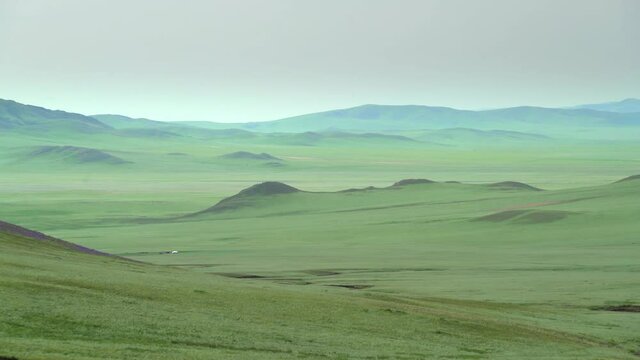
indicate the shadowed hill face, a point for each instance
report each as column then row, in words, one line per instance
column 246, row 155
column 413, row 182
column 245, row 197
column 513, row 185
column 28, row 234
column 630, row 178
column 18, row 116
column 74, row 154
column 268, row 188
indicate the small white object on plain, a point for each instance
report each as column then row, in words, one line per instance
column 174, row 252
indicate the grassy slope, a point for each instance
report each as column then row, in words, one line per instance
column 420, row 243
column 62, row 304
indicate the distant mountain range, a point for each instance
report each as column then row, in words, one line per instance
column 624, row 106
column 16, row 116
column 389, row 118
column 596, row 119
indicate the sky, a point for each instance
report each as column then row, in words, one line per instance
column 255, row 60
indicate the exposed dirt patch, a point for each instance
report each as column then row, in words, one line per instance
column 352, row 286
column 620, row 308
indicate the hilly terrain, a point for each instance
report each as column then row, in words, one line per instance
column 602, row 120
column 374, row 232
column 479, row 259
column 84, row 305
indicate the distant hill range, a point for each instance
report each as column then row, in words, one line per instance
column 389, row 118
column 16, row 116
column 381, row 119
column 624, row 106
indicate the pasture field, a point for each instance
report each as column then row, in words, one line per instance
column 328, row 259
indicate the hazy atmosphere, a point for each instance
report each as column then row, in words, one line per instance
column 286, row 180
column 262, row 60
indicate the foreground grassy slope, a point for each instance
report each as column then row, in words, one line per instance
column 64, row 304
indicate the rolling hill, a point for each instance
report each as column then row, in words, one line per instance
column 556, row 259
column 60, row 301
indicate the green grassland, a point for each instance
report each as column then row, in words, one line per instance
column 62, row 304
column 349, row 266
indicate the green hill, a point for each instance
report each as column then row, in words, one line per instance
column 249, row 196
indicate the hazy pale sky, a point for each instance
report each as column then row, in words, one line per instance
column 250, row 60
